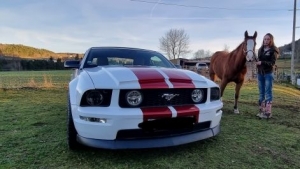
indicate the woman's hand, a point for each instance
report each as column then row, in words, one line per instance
column 258, row 63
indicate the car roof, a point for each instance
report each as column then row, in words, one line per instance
column 125, row 48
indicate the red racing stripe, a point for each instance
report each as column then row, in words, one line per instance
column 183, row 111
column 179, row 79
column 149, row 78
column 156, row 113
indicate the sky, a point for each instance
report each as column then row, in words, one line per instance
column 76, row 25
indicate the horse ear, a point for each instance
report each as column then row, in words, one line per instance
column 255, row 35
column 246, row 34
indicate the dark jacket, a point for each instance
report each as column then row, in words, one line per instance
column 268, row 59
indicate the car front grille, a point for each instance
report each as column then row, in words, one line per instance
column 163, row 128
column 154, row 97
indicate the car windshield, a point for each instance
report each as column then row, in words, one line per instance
column 125, row 57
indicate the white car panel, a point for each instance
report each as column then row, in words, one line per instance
column 170, row 81
column 118, row 118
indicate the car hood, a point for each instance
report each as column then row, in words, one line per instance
column 110, row 77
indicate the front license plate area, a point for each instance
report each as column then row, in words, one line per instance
column 177, row 123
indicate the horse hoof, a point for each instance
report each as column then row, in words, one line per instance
column 236, row 111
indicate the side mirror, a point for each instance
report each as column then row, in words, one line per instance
column 72, row 64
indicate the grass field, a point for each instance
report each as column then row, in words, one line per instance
column 284, row 65
column 33, row 135
column 35, row 79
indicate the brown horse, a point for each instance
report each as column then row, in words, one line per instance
column 231, row 67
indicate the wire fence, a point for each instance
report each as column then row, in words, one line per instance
column 281, row 74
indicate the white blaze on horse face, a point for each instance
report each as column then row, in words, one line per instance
column 250, row 50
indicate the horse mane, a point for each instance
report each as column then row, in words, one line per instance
column 236, row 50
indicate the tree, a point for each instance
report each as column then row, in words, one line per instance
column 76, row 57
column 202, row 54
column 51, row 64
column 226, row 48
column 59, row 64
column 199, row 54
column 175, row 43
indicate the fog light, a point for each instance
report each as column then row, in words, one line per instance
column 219, row 111
column 197, row 95
column 93, row 119
column 134, row 98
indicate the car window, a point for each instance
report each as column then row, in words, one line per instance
column 126, row 57
column 119, row 61
column 202, row 64
column 156, row 61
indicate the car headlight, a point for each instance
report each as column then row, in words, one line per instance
column 215, row 93
column 197, row 95
column 134, row 98
column 94, row 98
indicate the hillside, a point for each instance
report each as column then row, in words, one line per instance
column 23, row 51
column 288, row 48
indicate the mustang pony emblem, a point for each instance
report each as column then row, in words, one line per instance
column 169, row 96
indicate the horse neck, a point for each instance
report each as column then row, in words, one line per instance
column 238, row 57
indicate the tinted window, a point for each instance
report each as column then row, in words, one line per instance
column 126, row 57
column 202, row 64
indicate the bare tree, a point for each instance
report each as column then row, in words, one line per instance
column 175, row 43
column 202, row 54
column 199, row 54
column 208, row 54
column 226, row 48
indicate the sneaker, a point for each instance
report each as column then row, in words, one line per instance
column 259, row 114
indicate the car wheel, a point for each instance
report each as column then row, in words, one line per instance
column 71, row 130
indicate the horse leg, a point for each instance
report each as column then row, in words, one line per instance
column 223, row 86
column 236, row 96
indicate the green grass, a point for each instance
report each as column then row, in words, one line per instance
column 284, row 65
column 35, row 79
column 33, row 135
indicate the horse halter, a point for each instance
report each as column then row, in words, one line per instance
column 250, row 50
column 254, row 54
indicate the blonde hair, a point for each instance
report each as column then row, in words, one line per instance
column 272, row 44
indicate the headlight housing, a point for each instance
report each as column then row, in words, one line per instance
column 98, row 97
column 94, row 98
column 197, row 95
column 215, row 94
column 134, row 98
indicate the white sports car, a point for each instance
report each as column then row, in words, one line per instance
column 126, row 98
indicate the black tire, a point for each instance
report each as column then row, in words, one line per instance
column 71, row 131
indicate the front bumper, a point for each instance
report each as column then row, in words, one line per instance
column 129, row 119
column 150, row 143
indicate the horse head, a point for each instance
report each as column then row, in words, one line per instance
column 249, row 49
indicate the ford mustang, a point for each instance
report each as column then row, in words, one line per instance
column 127, row 98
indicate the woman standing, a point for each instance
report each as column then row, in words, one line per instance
column 267, row 55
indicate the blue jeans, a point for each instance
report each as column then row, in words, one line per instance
column 265, row 86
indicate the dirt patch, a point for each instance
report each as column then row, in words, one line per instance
column 263, row 150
